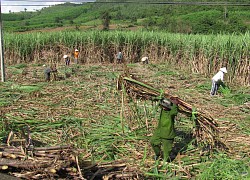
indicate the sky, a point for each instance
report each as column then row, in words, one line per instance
column 31, row 5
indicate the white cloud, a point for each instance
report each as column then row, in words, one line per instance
column 16, row 6
column 30, row 5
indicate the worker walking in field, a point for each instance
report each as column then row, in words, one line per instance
column 67, row 60
column 119, row 57
column 76, row 54
column 217, row 80
column 165, row 132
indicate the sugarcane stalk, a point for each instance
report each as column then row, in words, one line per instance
column 22, row 164
column 52, row 148
column 141, row 84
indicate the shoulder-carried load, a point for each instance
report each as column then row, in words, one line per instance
column 206, row 128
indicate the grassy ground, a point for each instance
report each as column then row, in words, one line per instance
column 87, row 111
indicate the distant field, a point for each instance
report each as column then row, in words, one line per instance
column 203, row 54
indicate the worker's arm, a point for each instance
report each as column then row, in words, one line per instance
column 221, row 78
column 174, row 110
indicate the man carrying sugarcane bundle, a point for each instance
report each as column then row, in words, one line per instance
column 165, row 132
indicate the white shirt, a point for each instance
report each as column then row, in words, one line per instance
column 144, row 59
column 218, row 76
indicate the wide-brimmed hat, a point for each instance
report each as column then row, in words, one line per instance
column 224, row 69
column 65, row 56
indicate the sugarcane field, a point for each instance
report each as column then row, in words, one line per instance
column 93, row 117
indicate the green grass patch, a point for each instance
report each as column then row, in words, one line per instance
column 20, row 66
column 165, row 73
column 29, row 88
column 223, row 167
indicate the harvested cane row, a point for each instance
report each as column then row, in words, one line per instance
column 206, row 128
column 40, row 162
column 21, row 157
column 60, row 162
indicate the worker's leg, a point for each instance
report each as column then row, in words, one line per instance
column 47, row 77
column 213, row 89
column 155, row 142
column 167, row 148
column 216, row 88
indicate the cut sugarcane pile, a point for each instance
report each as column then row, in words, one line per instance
column 39, row 162
column 206, row 129
column 18, row 157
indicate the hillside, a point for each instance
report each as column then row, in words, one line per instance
column 171, row 18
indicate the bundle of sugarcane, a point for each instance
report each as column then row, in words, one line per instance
column 39, row 162
column 206, row 128
column 20, row 157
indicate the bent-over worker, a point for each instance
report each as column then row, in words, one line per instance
column 67, row 60
column 145, row 60
column 217, row 80
column 47, row 72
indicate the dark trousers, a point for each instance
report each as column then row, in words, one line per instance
column 156, row 142
column 47, row 76
column 67, row 62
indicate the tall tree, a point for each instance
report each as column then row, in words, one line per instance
column 105, row 20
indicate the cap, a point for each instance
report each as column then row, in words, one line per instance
column 166, row 103
column 65, row 56
column 224, row 69
column 76, row 49
column 44, row 65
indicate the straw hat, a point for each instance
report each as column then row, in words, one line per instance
column 224, row 69
column 65, row 56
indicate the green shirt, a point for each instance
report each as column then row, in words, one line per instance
column 166, row 123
